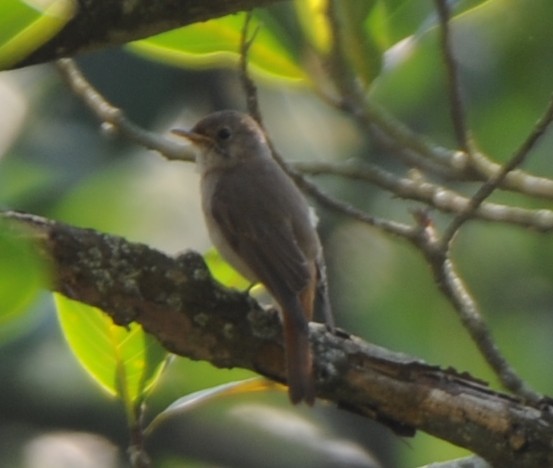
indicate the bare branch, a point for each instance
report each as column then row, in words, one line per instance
column 437, row 196
column 457, row 110
column 177, row 301
column 107, row 23
column 387, row 226
column 113, row 119
column 248, row 85
column 495, row 182
column 424, row 154
column 250, row 90
column 454, row 289
column 421, row 152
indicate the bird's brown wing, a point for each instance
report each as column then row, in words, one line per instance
column 272, row 252
column 270, row 249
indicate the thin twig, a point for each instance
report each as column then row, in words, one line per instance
column 468, row 311
column 138, row 456
column 437, row 196
column 431, row 247
column 250, row 89
column 457, row 108
column 385, row 225
column 422, row 152
column 492, row 184
column 113, row 119
column 107, row 113
column 380, row 124
column 456, row 292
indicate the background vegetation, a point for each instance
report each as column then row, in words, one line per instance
column 54, row 162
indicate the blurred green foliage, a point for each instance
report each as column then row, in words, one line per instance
column 381, row 288
column 223, row 272
column 126, row 362
column 217, row 42
column 22, row 277
column 26, row 25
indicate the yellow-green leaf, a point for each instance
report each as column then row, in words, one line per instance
column 223, row 272
column 217, row 43
column 26, row 25
column 124, row 361
column 360, row 44
column 312, row 15
column 356, row 20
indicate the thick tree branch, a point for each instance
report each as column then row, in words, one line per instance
column 105, row 23
column 177, row 301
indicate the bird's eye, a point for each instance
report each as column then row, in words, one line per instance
column 223, row 133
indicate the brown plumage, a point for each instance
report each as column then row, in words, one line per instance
column 261, row 224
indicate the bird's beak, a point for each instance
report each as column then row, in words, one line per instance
column 195, row 138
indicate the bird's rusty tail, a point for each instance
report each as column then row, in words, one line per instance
column 299, row 359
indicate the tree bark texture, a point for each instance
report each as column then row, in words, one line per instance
column 107, row 23
column 177, row 301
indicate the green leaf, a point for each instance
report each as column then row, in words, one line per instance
column 24, row 28
column 217, row 43
column 488, row 52
column 223, row 272
column 360, row 25
column 362, row 48
column 313, row 19
column 124, row 361
column 22, row 276
column 404, row 18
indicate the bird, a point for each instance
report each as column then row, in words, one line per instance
column 262, row 225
